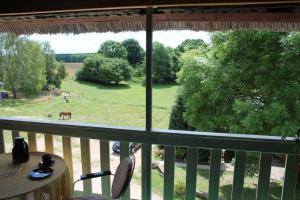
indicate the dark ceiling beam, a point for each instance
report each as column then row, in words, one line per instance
column 11, row 7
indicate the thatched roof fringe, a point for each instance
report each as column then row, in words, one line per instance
column 226, row 26
column 164, row 25
column 197, row 19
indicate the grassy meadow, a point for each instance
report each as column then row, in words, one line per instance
column 122, row 105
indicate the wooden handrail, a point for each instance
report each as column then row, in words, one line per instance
column 242, row 142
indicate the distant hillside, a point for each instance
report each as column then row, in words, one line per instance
column 71, row 58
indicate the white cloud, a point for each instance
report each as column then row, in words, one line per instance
column 90, row 42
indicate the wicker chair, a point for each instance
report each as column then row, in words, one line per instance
column 121, row 179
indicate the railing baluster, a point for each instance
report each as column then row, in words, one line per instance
column 67, row 152
column 2, row 144
column 49, row 143
column 86, row 164
column 214, row 174
column 124, row 152
column 289, row 186
column 169, row 172
column 105, row 165
column 191, row 173
column 265, row 165
column 146, row 171
column 239, row 175
column 14, row 135
column 32, row 141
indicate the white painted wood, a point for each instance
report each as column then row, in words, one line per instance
column 86, row 164
column 105, row 165
column 32, row 142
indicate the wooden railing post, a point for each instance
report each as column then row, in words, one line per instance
column 239, row 175
column 67, row 152
column 14, row 134
column 124, row 152
column 32, row 141
column 169, row 158
column 290, row 178
column 49, row 143
column 86, row 164
column 265, row 165
column 2, row 144
column 105, row 165
column 214, row 174
column 191, row 173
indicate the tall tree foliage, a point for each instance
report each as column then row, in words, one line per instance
column 135, row 53
column 22, row 64
column 55, row 71
column 190, row 44
column 164, row 69
column 113, row 49
column 247, row 83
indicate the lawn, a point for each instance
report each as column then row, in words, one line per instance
column 225, row 184
column 122, row 105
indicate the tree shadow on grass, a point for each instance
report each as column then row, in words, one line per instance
column 104, row 86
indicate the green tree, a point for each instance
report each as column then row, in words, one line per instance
column 190, row 44
column 135, row 53
column 22, row 64
column 247, row 83
column 99, row 69
column 34, row 79
column 163, row 66
column 113, row 49
column 55, row 71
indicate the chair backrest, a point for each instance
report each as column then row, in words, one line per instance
column 122, row 177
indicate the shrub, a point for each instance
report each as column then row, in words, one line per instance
column 180, row 153
column 177, row 121
column 99, row 69
column 180, row 188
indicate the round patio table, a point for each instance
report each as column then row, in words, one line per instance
column 15, row 183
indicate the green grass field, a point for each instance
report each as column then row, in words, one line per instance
column 225, row 185
column 122, row 105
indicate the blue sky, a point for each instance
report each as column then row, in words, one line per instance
column 90, row 42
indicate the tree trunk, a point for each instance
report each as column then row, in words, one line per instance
column 14, row 94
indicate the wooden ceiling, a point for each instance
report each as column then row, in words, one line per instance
column 12, row 7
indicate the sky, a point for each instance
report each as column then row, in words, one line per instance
column 90, row 42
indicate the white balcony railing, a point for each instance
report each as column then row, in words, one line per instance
column 266, row 145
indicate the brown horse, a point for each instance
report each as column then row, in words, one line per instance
column 65, row 114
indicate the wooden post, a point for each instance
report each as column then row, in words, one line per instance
column 67, row 152
column 169, row 172
column 2, row 144
column 86, row 164
column 214, row 174
column 14, row 134
column 49, row 143
column 239, row 175
column 147, row 148
column 191, row 173
column 32, row 142
column 265, row 165
column 124, row 152
column 105, row 165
